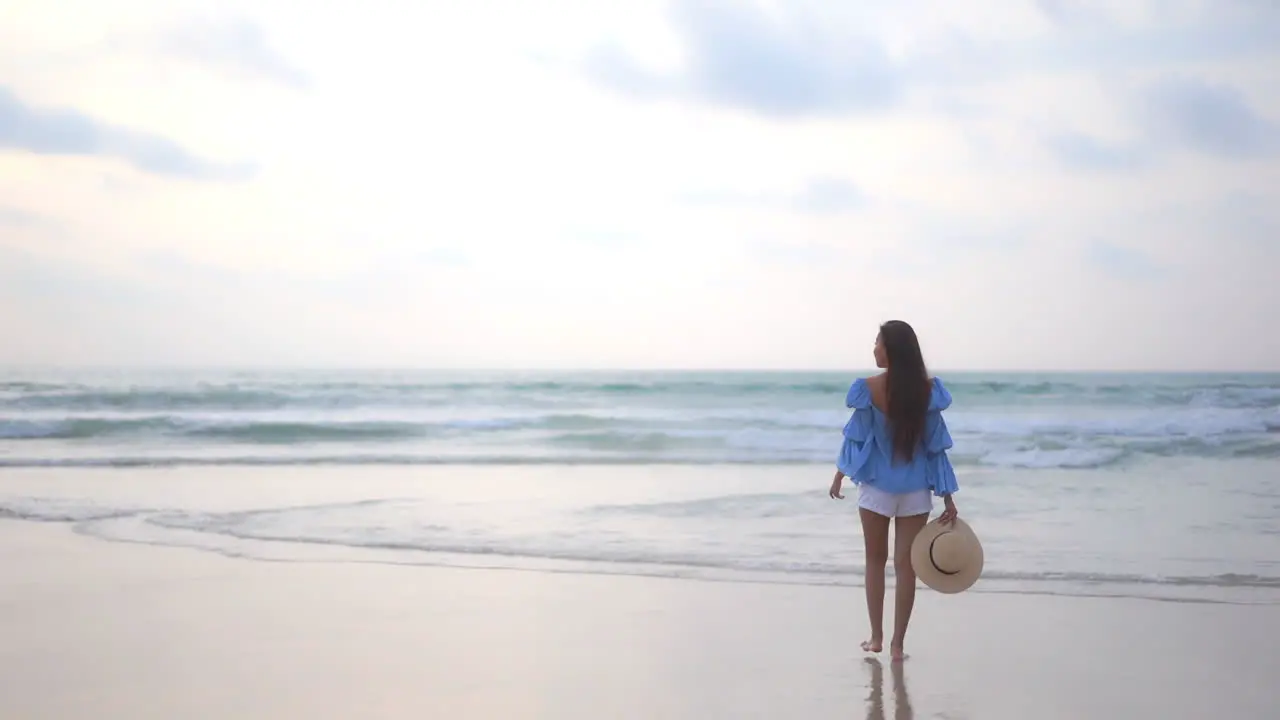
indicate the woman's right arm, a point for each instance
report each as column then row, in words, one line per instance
column 949, row 511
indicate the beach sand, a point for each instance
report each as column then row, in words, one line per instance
column 95, row 629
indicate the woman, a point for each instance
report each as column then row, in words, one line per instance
column 895, row 450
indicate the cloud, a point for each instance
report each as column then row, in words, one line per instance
column 829, row 195
column 820, row 195
column 236, row 45
column 1078, row 151
column 738, row 57
column 795, row 253
column 1069, row 12
column 797, row 62
column 941, row 244
column 1248, row 217
column 16, row 217
column 69, row 132
column 412, row 261
column 1174, row 114
column 80, row 311
column 1123, row 262
column 1214, row 119
column 1087, row 34
column 30, row 275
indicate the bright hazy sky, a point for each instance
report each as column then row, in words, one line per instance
column 458, row 183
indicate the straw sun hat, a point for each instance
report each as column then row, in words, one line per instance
column 947, row 558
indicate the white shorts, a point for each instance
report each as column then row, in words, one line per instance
column 918, row 502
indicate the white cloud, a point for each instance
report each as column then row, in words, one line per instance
column 458, row 184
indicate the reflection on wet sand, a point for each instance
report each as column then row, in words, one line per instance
column 901, row 699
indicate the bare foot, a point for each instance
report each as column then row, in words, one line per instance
column 874, row 645
column 897, row 653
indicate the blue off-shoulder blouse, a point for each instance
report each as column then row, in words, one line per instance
column 867, row 454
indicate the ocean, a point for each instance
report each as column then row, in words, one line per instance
column 1154, row 485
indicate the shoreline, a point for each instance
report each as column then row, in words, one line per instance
column 756, row 525
column 429, row 561
column 169, row 632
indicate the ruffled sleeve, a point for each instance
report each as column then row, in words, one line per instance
column 859, row 441
column 939, row 396
column 859, row 427
column 942, row 476
column 859, row 395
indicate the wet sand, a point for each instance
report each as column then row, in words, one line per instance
column 96, row 629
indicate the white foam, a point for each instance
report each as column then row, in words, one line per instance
column 1067, row 458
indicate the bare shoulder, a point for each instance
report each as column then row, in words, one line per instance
column 877, row 385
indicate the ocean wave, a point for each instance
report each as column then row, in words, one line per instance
column 643, row 451
column 1073, row 458
column 73, row 428
column 1025, row 421
column 251, row 431
column 363, row 459
column 648, row 442
column 268, row 393
column 144, row 399
column 280, row 430
column 1008, row 441
column 1135, row 423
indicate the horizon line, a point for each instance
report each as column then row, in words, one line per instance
column 278, row 367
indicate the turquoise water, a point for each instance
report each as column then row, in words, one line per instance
column 1160, row 486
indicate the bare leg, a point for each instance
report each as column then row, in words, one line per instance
column 875, row 536
column 905, row 533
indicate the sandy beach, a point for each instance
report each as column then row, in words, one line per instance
column 95, row 629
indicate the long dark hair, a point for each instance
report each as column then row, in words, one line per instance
column 908, row 386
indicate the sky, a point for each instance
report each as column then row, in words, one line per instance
column 1032, row 184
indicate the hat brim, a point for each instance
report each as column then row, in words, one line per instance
column 930, row 574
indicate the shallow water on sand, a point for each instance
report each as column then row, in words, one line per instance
column 1178, row 529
